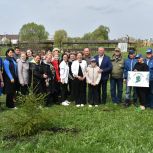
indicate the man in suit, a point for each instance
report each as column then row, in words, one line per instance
column 105, row 66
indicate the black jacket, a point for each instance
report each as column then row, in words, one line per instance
column 36, row 77
column 9, row 73
column 48, row 69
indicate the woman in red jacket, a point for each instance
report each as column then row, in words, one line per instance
column 55, row 62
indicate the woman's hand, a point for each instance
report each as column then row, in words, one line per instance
column 62, row 81
column 45, row 76
column 12, row 81
column 2, row 84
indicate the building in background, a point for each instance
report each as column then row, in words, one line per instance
column 9, row 39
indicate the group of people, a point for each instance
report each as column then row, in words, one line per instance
column 66, row 78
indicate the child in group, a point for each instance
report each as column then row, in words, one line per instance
column 93, row 78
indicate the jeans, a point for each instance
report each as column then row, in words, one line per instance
column 128, row 93
column 116, row 86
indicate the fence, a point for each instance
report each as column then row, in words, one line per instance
column 109, row 45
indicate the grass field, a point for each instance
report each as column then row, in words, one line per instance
column 106, row 129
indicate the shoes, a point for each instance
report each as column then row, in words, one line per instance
column 90, row 106
column 142, row 107
column 127, row 103
column 96, row 105
column 65, row 103
column 15, row 108
column 78, row 105
column 82, row 105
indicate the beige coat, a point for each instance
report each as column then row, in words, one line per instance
column 92, row 75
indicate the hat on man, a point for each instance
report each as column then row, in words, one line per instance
column 131, row 51
column 117, row 49
column 149, row 51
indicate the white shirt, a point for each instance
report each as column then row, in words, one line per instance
column 64, row 71
column 148, row 61
column 100, row 59
column 75, row 67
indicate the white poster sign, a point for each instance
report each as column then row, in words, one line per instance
column 123, row 47
column 138, row 79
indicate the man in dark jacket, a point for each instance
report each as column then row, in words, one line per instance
column 105, row 65
column 128, row 66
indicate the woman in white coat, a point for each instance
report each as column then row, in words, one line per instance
column 79, row 68
column 64, row 74
column 23, row 73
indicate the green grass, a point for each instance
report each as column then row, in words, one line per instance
column 109, row 128
column 106, row 129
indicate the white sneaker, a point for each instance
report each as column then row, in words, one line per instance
column 15, row 108
column 142, row 107
column 65, row 103
column 90, row 105
column 82, row 105
column 96, row 105
column 78, row 105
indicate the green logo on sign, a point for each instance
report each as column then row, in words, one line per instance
column 138, row 79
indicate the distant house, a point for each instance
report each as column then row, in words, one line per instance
column 4, row 39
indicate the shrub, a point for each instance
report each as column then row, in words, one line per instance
column 29, row 119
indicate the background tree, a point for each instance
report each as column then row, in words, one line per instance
column 101, row 33
column 59, row 37
column 33, row 32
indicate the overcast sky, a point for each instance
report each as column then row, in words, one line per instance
column 132, row 17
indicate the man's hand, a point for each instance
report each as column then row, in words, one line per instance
column 124, row 80
column 100, row 71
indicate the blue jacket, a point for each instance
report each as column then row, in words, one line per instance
column 106, row 66
column 128, row 66
column 150, row 65
column 1, row 64
column 10, row 68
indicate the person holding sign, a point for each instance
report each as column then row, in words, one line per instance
column 149, row 62
column 141, row 91
column 128, row 66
